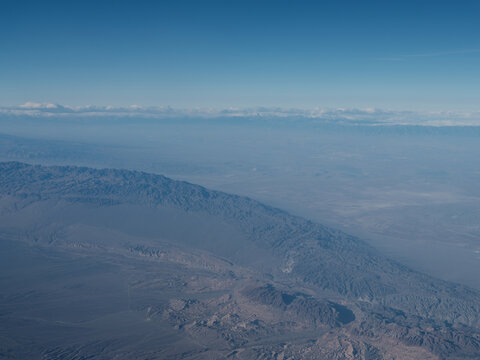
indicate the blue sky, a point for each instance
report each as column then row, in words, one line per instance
column 412, row 55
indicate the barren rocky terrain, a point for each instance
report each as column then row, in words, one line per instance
column 120, row 264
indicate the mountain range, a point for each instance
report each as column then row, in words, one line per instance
column 106, row 263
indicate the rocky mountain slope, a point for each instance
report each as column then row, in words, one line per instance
column 238, row 279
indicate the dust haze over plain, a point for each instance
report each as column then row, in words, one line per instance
column 408, row 188
column 127, row 264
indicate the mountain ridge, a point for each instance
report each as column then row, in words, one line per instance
column 267, row 260
column 288, row 235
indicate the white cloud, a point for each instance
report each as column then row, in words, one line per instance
column 367, row 116
column 35, row 105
